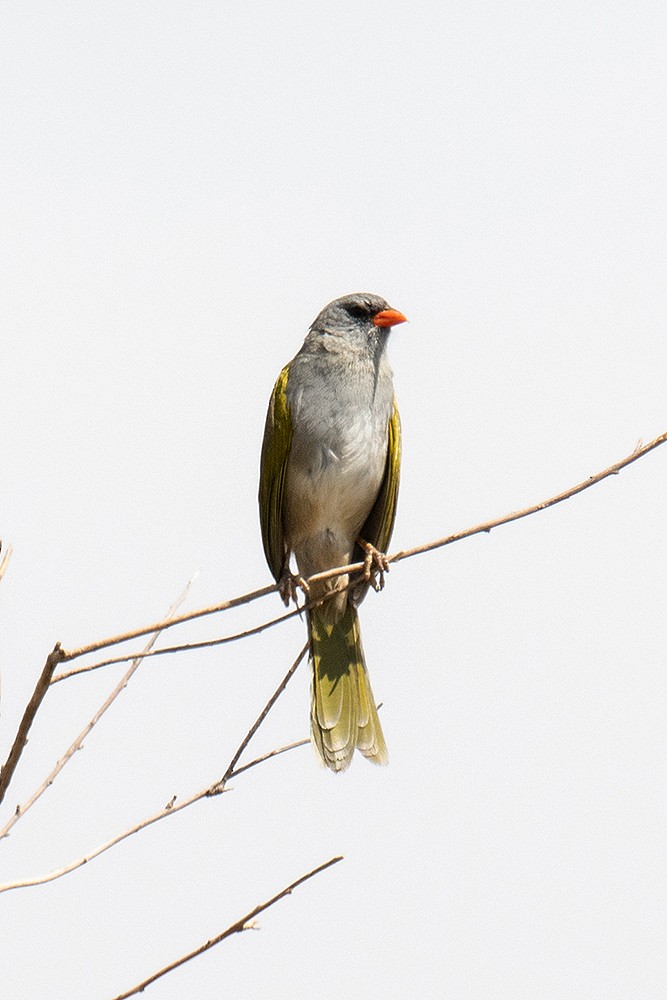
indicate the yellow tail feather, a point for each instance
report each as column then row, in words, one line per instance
column 343, row 714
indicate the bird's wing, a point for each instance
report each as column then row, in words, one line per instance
column 275, row 452
column 380, row 522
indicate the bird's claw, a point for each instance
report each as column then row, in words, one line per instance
column 376, row 565
column 288, row 585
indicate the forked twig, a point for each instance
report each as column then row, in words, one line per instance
column 60, row 655
column 174, row 807
column 350, row 569
column 137, row 633
column 231, row 769
column 53, row 659
column 40, row 691
column 183, row 648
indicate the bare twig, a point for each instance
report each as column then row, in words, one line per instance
column 53, row 659
column 173, row 807
column 244, row 923
column 115, row 640
column 183, row 648
column 5, row 560
column 486, row 526
column 78, row 742
column 169, row 810
column 350, row 569
column 262, row 715
column 272, row 753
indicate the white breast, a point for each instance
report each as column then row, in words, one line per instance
column 332, row 482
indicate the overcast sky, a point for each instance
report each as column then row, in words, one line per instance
column 184, row 187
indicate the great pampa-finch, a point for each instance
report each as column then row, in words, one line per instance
column 328, row 490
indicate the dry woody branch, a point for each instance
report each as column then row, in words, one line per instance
column 60, row 655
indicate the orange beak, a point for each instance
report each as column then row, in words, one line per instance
column 389, row 317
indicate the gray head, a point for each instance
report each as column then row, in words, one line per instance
column 357, row 318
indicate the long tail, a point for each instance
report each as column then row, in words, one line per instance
column 343, row 714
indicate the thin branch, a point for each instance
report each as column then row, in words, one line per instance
column 184, row 647
column 78, row 742
column 53, row 659
column 486, row 526
column 352, row 568
column 267, row 756
column 5, row 560
column 243, row 924
column 172, row 807
column 137, row 633
column 169, row 810
column 262, row 715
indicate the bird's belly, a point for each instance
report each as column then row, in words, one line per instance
column 328, row 498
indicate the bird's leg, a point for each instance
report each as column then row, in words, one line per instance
column 375, row 564
column 288, row 584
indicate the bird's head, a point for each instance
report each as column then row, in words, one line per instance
column 359, row 318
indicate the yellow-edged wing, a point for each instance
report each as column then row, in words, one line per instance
column 275, row 452
column 380, row 522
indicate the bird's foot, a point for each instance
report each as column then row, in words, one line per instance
column 288, row 585
column 375, row 565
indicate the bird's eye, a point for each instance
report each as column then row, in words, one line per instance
column 357, row 311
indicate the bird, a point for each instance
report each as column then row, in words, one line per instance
column 328, row 490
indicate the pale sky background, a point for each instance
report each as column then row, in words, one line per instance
column 184, row 186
